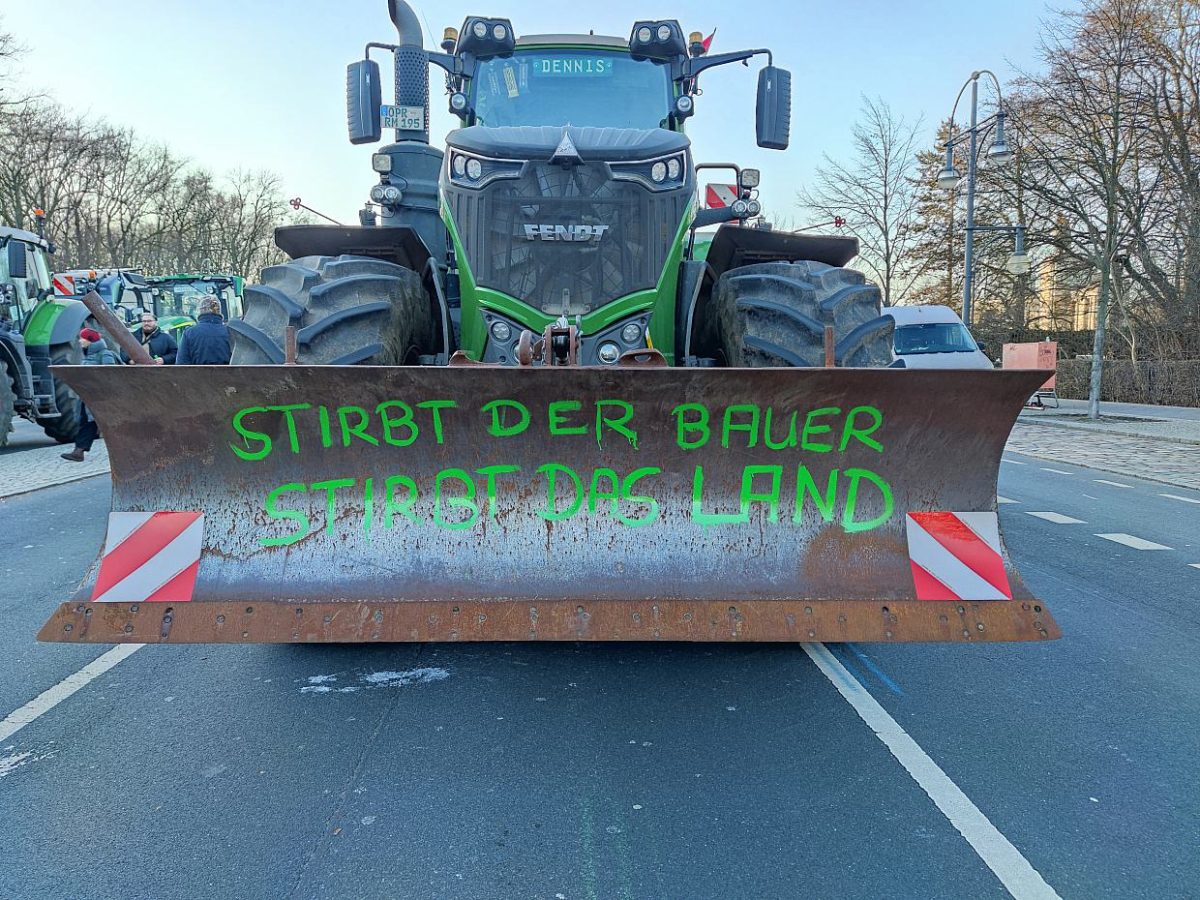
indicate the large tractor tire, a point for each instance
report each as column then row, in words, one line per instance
column 347, row 310
column 776, row 313
column 64, row 427
column 8, row 406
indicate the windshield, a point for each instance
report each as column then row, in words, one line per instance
column 25, row 289
column 182, row 298
column 599, row 88
column 935, row 337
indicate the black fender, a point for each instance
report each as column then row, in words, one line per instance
column 69, row 322
column 735, row 246
column 398, row 244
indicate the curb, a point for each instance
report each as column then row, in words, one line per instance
column 20, row 492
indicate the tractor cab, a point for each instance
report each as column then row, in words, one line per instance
column 24, row 275
column 175, row 299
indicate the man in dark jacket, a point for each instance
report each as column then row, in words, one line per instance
column 157, row 342
column 207, row 342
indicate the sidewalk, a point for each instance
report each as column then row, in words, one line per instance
column 1175, row 424
column 40, row 467
column 1158, row 443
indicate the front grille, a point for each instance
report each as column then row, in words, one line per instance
column 629, row 257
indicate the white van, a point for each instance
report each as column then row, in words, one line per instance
column 933, row 337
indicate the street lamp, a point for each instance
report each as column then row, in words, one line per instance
column 999, row 153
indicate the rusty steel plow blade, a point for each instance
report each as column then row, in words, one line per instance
column 432, row 504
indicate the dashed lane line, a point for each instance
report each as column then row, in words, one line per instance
column 1000, row 499
column 1177, row 497
column 1129, row 540
column 1056, row 518
column 1111, row 483
column 50, row 698
column 1011, row 462
column 1014, row 871
column 1194, row 565
column 1056, row 471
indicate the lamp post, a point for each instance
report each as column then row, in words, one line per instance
column 948, row 179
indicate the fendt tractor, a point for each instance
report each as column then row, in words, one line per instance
column 517, row 402
column 37, row 330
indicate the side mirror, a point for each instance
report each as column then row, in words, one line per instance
column 16, row 260
column 363, row 99
column 774, row 110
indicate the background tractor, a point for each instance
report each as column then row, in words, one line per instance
column 37, row 330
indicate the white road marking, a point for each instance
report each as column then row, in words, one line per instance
column 1112, row 483
column 1129, row 540
column 1194, row 565
column 1056, row 518
column 1000, row 499
column 1056, row 471
column 1177, row 497
column 1014, row 871
column 1012, row 462
column 50, row 698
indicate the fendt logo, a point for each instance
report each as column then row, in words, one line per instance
column 565, row 232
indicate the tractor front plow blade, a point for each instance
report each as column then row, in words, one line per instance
column 297, row 504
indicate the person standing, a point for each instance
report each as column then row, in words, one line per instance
column 207, row 342
column 95, row 353
column 160, row 345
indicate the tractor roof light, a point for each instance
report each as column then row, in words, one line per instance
column 696, row 43
column 484, row 38
column 661, row 40
column 750, row 179
column 381, row 163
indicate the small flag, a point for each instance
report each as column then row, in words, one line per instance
column 707, row 42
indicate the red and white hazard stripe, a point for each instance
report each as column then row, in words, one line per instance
column 150, row 556
column 720, row 196
column 956, row 556
column 64, row 285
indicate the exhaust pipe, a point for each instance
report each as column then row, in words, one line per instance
column 412, row 68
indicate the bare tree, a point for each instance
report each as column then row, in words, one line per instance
column 874, row 192
column 1081, row 130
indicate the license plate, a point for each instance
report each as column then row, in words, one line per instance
column 406, row 118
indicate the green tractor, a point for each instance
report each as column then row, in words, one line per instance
column 559, row 224
column 37, row 330
column 175, row 298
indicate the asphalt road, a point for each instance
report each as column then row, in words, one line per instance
column 581, row 771
column 25, row 435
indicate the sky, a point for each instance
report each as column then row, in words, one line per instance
column 257, row 84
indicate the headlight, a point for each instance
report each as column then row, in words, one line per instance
column 475, row 172
column 381, row 163
column 458, row 102
column 644, row 34
column 663, row 174
column 664, row 32
column 631, row 333
column 480, row 30
column 609, row 353
column 501, row 331
column 499, row 32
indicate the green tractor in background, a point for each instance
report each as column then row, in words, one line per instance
column 176, row 298
column 37, row 330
